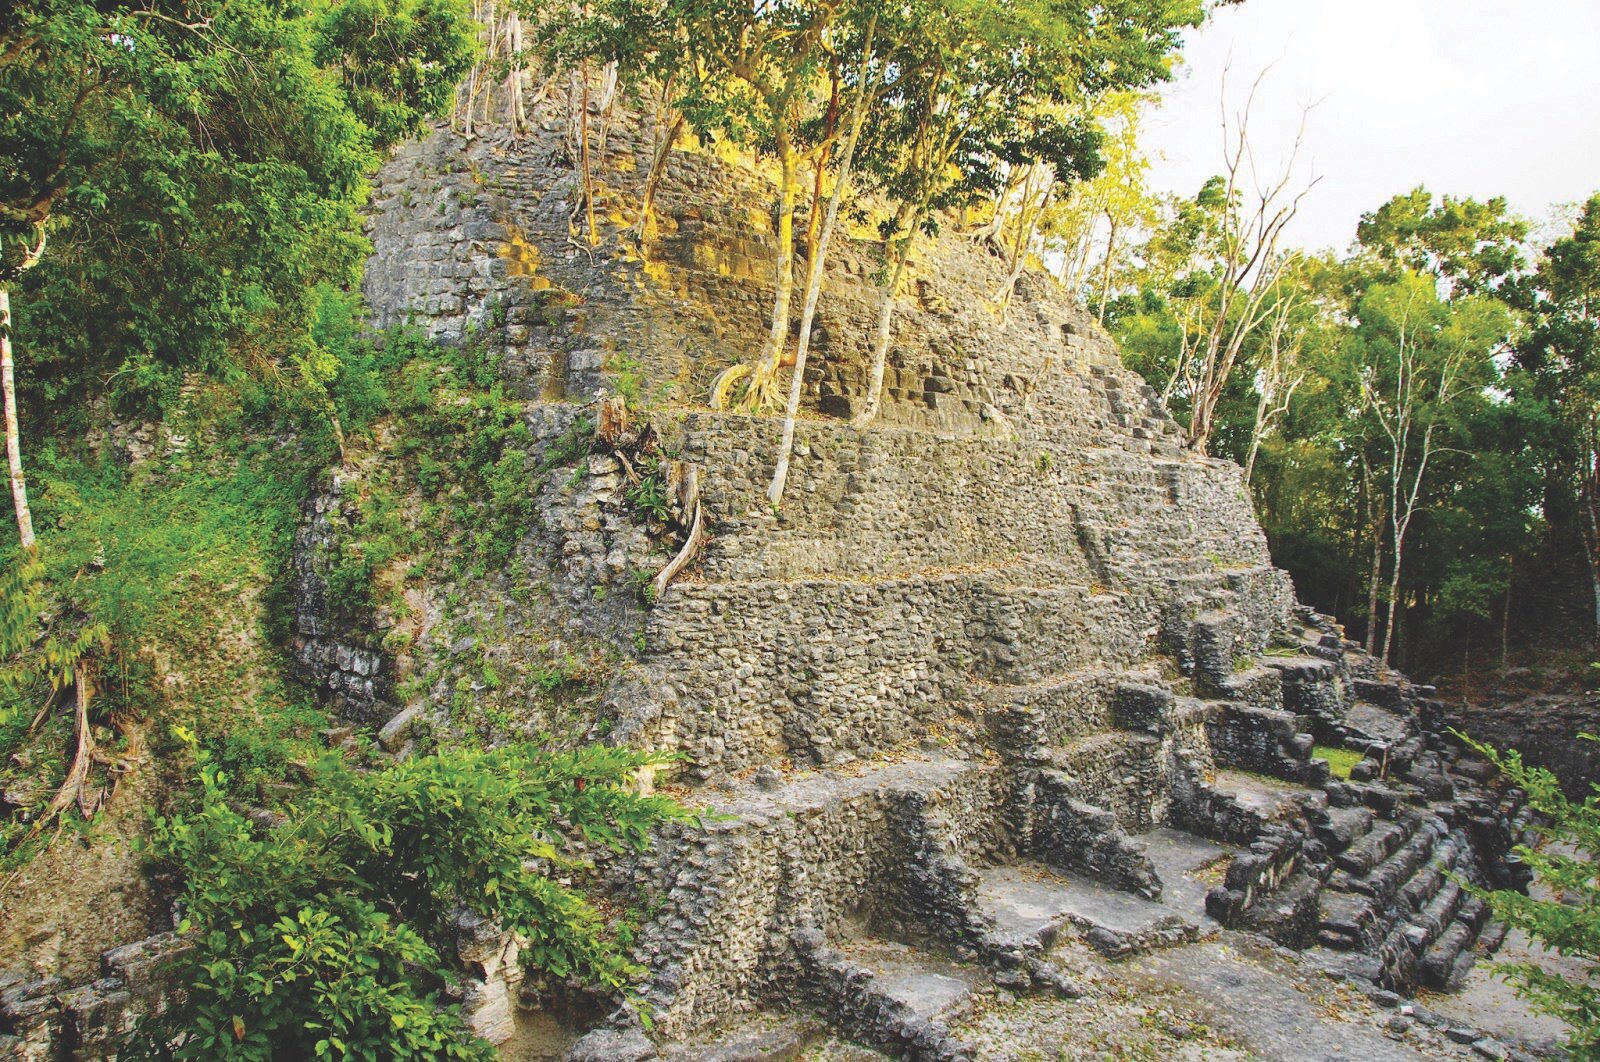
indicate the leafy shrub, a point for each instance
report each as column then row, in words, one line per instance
column 328, row 934
column 1568, row 924
column 257, row 753
column 649, row 495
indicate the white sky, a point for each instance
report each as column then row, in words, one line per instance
column 1469, row 97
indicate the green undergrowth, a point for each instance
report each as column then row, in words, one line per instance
column 443, row 465
column 1563, row 917
column 158, row 583
column 330, row 932
column 165, row 580
column 162, row 586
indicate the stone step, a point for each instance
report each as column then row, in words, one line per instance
column 1061, row 707
column 1123, row 769
column 1372, row 848
column 1383, row 881
column 1491, row 937
column 1188, row 866
column 1449, row 958
column 764, row 1038
column 1359, row 912
column 922, row 984
column 893, row 997
column 1342, row 827
column 1289, row 914
column 1433, row 879
column 1349, row 921
column 1269, row 798
column 1032, row 907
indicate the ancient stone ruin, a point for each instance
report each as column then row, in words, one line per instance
column 1009, row 669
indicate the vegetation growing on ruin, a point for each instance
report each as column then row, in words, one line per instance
column 181, row 188
column 1340, row 760
column 1566, row 919
column 329, row 932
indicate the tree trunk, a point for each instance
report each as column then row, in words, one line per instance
column 1256, row 432
column 1505, row 615
column 814, row 275
column 880, row 345
column 19, row 482
column 766, row 369
column 1027, row 223
column 1394, row 595
column 1375, row 574
column 658, row 167
column 1373, row 581
column 1105, row 273
column 1591, row 541
column 830, row 129
column 82, row 756
column 583, row 155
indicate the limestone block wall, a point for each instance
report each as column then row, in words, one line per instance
column 810, row 671
column 473, row 234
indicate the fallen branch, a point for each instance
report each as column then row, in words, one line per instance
column 44, row 710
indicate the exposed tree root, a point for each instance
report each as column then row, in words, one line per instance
column 762, row 394
column 723, row 387
column 44, row 711
column 71, row 790
column 747, row 389
column 689, row 500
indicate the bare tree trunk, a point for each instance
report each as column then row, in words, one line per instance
column 1375, row 574
column 608, row 100
column 1591, row 535
column 1256, row 433
column 996, row 225
column 19, row 482
column 818, row 266
column 658, row 167
column 1394, row 602
column 1105, row 272
column 766, row 369
column 516, row 112
column 830, row 128
column 1505, row 614
column 1032, row 208
column 583, row 155
column 1251, row 266
column 880, row 345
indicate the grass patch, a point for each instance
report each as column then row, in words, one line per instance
column 1340, row 760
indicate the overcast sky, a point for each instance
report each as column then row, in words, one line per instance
column 1469, row 97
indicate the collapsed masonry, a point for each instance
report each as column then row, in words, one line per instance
column 1006, row 669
